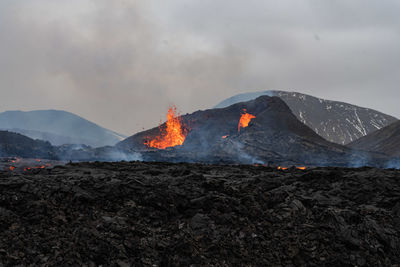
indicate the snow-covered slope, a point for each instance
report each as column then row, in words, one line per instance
column 337, row 122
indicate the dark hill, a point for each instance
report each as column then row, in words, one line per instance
column 386, row 140
column 17, row 145
column 14, row 144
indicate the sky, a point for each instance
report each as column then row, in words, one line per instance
column 122, row 63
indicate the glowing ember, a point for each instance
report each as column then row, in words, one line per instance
column 174, row 134
column 245, row 119
column 36, row 167
column 298, row 168
column 225, row 136
column 16, row 160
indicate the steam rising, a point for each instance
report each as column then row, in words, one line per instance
column 123, row 156
column 393, row 164
column 122, row 63
column 108, row 61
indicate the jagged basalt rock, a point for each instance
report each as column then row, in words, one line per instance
column 163, row 214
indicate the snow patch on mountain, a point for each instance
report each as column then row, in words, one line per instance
column 337, row 122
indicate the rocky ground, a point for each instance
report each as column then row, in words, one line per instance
column 162, row 214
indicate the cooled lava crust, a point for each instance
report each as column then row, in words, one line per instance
column 162, row 214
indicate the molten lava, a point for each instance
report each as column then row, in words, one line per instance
column 298, row 168
column 36, row 167
column 245, row 120
column 16, row 160
column 173, row 135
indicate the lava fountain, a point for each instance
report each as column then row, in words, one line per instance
column 173, row 135
column 245, row 119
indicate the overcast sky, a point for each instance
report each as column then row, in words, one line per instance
column 121, row 63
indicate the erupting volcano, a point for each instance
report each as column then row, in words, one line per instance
column 173, row 135
column 245, row 119
column 269, row 132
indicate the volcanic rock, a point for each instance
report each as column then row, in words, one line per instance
column 163, row 214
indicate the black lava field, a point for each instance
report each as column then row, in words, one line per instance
column 164, row 214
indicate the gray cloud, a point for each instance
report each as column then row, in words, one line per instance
column 121, row 63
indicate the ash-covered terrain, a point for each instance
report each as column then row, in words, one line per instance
column 163, row 214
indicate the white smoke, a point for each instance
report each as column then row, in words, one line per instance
column 118, row 155
column 393, row 164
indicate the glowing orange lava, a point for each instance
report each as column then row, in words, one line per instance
column 16, row 160
column 37, row 167
column 245, row 120
column 299, row 168
column 173, row 135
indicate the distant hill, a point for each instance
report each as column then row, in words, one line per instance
column 14, row 144
column 17, row 145
column 58, row 127
column 385, row 140
column 335, row 121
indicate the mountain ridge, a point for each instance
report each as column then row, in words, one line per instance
column 335, row 121
column 274, row 135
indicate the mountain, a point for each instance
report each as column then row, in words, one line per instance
column 335, row 121
column 385, row 140
column 14, row 144
column 275, row 136
column 58, row 127
column 17, row 145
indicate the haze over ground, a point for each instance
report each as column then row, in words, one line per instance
column 121, row 63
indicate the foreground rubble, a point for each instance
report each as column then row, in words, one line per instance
column 161, row 214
